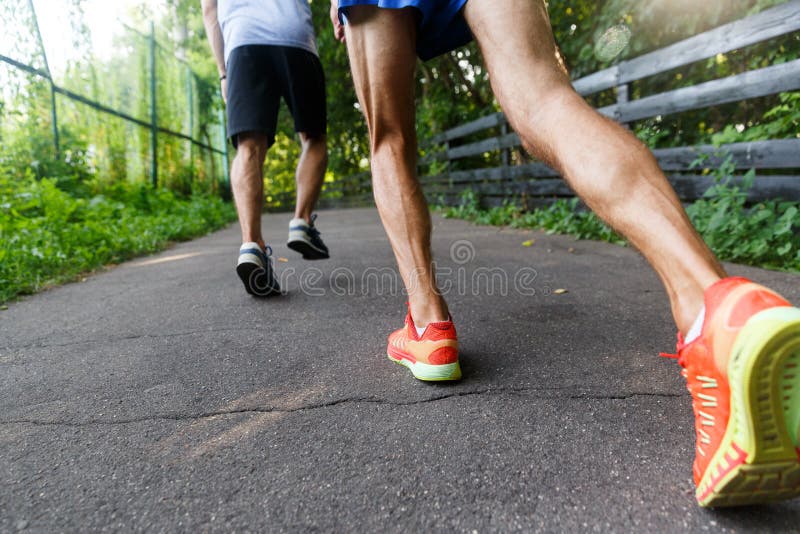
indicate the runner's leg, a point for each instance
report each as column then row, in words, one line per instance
column 611, row 170
column 247, row 182
column 310, row 173
column 381, row 44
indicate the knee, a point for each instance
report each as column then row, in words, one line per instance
column 251, row 149
column 313, row 141
column 314, row 146
column 392, row 143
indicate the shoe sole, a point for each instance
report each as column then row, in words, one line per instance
column 250, row 273
column 758, row 460
column 309, row 251
column 427, row 372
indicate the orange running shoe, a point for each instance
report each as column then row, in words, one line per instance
column 744, row 376
column 431, row 357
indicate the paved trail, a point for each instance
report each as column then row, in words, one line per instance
column 158, row 396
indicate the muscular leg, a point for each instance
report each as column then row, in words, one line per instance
column 247, row 181
column 382, row 48
column 310, row 173
column 612, row 171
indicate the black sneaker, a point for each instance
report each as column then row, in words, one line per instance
column 255, row 270
column 305, row 239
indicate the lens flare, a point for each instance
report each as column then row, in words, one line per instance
column 612, row 43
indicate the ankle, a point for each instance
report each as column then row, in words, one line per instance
column 306, row 216
column 687, row 304
column 259, row 241
column 424, row 313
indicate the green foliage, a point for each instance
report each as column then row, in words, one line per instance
column 782, row 121
column 279, row 167
column 563, row 216
column 766, row 234
column 48, row 235
column 110, row 147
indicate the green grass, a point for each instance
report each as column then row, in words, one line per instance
column 48, row 236
column 764, row 235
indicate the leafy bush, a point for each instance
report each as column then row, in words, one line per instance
column 564, row 216
column 48, row 236
column 766, row 234
column 782, row 121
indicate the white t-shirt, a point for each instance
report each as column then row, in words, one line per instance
column 266, row 22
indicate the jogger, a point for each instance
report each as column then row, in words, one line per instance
column 266, row 51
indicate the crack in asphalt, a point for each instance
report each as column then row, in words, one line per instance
column 538, row 393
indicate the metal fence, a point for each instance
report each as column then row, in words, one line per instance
column 141, row 114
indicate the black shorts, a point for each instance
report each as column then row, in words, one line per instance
column 259, row 75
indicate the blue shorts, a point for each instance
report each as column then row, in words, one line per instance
column 442, row 27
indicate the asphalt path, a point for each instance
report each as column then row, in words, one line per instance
column 158, row 396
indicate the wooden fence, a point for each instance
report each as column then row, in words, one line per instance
column 528, row 182
column 535, row 180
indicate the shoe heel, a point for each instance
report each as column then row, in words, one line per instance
column 429, row 373
column 759, row 459
column 789, row 390
column 298, row 235
column 765, row 361
column 257, row 281
column 246, row 272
